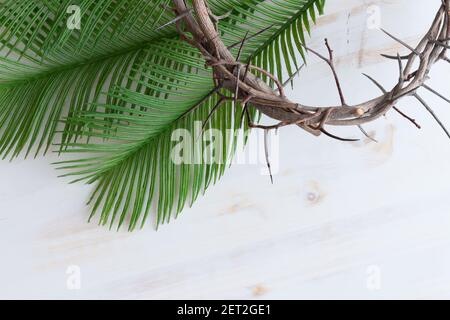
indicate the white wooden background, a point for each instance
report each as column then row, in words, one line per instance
column 343, row 220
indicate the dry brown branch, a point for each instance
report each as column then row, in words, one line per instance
column 252, row 91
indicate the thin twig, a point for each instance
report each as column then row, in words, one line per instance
column 330, row 63
column 413, row 121
column 333, row 69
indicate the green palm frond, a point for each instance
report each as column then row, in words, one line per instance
column 138, row 152
column 287, row 20
column 44, row 65
column 129, row 87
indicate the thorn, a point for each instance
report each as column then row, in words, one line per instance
column 204, row 99
column 244, row 110
column 251, row 37
column 296, row 73
column 181, row 16
column 367, row 134
column 376, row 83
column 431, row 111
column 213, row 110
column 439, row 43
column 266, row 149
column 401, row 42
column 330, row 63
column 336, row 137
column 387, row 56
column 436, row 93
column 396, row 109
column 242, row 46
column 236, row 93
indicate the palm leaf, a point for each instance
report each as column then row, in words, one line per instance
column 44, row 65
column 133, row 92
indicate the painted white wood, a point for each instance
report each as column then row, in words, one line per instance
column 343, row 220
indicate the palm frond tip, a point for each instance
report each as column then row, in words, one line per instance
column 129, row 85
